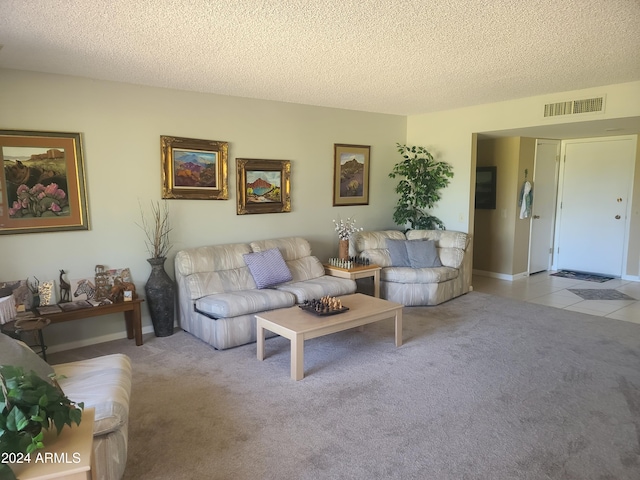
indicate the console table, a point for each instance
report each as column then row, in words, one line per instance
column 131, row 310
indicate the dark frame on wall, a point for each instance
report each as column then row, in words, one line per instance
column 486, row 188
column 351, row 174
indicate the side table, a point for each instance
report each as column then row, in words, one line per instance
column 33, row 326
column 360, row 271
column 68, row 456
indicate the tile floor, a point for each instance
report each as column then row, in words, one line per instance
column 553, row 291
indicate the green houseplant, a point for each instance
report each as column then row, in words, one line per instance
column 29, row 405
column 422, row 178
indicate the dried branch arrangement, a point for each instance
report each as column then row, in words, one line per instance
column 157, row 230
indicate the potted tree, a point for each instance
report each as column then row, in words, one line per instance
column 28, row 406
column 422, row 178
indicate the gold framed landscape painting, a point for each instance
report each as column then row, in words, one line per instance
column 351, row 174
column 42, row 186
column 264, row 186
column 194, row 169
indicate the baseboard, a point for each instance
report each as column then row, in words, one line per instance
column 631, row 278
column 61, row 347
column 501, row 276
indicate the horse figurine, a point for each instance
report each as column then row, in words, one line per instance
column 65, row 289
column 118, row 289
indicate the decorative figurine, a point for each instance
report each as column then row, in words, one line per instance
column 65, row 289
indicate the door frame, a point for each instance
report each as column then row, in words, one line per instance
column 628, row 212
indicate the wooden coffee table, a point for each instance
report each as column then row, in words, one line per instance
column 297, row 325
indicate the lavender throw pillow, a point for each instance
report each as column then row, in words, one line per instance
column 267, row 268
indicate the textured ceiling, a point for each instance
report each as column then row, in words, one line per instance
column 391, row 56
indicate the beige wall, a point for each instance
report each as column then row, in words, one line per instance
column 121, row 127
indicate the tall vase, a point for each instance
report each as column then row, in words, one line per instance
column 343, row 250
column 161, row 298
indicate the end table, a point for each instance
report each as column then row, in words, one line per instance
column 68, row 456
column 360, row 271
column 33, row 325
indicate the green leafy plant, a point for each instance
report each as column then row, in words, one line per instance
column 422, row 178
column 29, row 405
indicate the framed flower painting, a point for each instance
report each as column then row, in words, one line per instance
column 42, row 185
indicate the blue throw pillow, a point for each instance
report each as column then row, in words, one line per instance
column 423, row 254
column 398, row 253
column 267, row 268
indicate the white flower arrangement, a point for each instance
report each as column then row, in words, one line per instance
column 346, row 227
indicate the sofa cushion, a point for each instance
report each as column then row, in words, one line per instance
column 233, row 304
column 14, row 352
column 103, row 383
column 212, row 258
column 375, row 240
column 213, row 269
column 267, row 268
column 451, row 245
column 422, row 254
column 319, row 287
column 398, row 252
column 296, row 252
column 418, row 275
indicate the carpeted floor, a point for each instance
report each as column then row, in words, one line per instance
column 483, row 388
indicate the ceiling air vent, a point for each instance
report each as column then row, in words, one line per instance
column 574, row 107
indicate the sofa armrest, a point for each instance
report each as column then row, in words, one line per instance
column 103, row 383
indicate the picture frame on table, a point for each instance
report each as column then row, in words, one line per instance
column 264, row 186
column 194, row 169
column 42, row 184
column 351, row 174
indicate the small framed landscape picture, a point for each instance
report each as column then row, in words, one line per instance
column 194, row 169
column 351, row 174
column 264, row 186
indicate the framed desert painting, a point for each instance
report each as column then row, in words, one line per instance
column 264, row 186
column 194, row 169
column 42, row 185
column 351, row 174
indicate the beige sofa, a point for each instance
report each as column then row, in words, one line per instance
column 419, row 286
column 218, row 297
column 103, row 383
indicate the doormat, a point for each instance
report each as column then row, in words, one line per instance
column 600, row 294
column 589, row 277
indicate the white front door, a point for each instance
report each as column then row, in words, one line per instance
column 596, row 184
column 545, row 189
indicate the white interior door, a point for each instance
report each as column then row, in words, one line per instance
column 596, row 184
column 545, row 190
